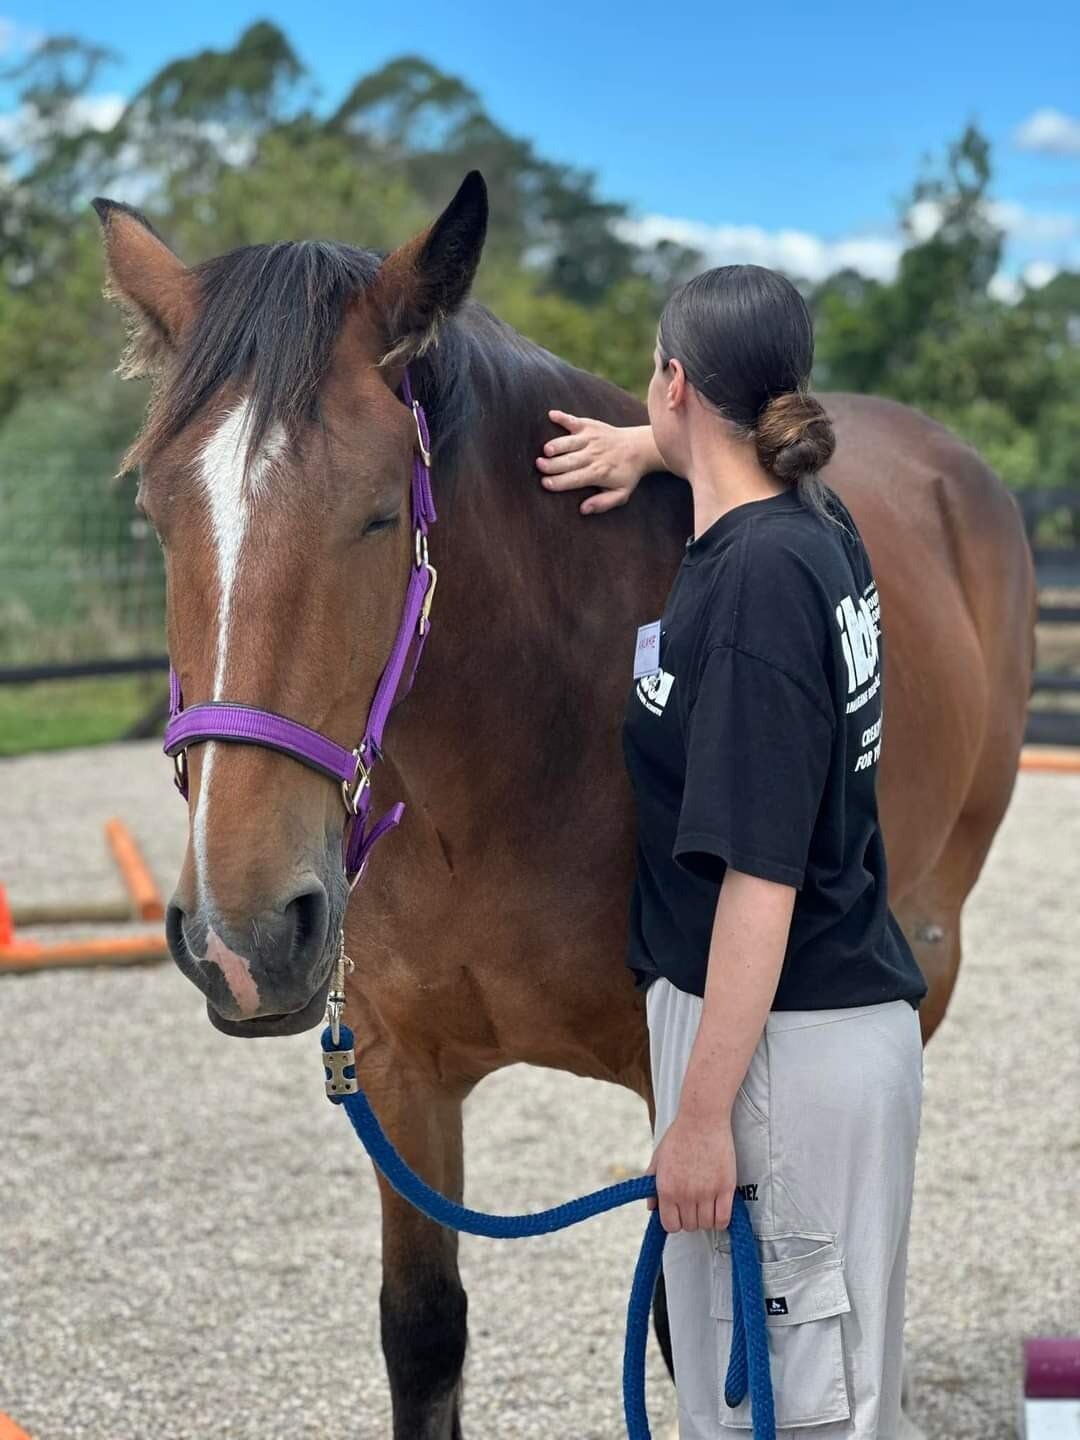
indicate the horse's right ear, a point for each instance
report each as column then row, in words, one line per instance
column 426, row 280
column 156, row 289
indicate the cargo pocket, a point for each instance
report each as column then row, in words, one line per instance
column 805, row 1296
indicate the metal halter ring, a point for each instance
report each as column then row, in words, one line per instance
column 351, row 790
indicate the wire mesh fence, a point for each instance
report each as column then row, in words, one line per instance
column 81, row 578
column 82, row 592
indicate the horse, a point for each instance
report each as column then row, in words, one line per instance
column 490, row 927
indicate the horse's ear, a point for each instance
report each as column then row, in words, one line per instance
column 426, row 280
column 155, row 288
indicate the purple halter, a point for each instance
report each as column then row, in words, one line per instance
column 245, row 724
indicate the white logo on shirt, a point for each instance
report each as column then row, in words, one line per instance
column 859, row 640
column 858, row 636
column 653, row 690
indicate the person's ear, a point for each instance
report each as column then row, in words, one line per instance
column 676, row 384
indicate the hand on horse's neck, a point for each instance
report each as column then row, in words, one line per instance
column 724, row 472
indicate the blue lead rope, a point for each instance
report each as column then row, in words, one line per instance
column 748, row 1365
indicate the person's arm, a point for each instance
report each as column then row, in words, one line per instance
column 694, row 1163
column 758, row 750
column 612, row 457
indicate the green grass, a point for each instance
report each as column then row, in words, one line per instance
column 55, row 714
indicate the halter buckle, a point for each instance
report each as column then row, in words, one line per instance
column 425, row 608
column 351, row 790
column 180, row 772
column 425, row 453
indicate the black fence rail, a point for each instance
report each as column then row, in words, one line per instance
column 1054, row 516
column 82, row 669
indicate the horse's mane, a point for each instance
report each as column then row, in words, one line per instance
column 269, row 317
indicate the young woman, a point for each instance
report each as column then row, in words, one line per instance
column 781, row 995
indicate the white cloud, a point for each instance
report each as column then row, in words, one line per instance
column 798, row 252
column 1033, row 227
column 98, row 112
column 924, row 220
column 1006, row 288
column 1032, row 237
column 24, row 128
column 1039, row 273
column 1011, row 288
column 1026, row 227
column 1050, row 132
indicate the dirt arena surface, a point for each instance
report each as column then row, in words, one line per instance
column 189, row 1233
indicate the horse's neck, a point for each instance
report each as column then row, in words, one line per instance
column 534, row 615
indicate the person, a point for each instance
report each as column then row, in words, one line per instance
column 781, row 996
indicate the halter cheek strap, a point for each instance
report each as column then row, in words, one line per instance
column 248, row 725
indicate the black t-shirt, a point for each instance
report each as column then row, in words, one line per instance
column 756, row 745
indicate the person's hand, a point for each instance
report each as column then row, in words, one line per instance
column 612, row 457
column 694, row 1165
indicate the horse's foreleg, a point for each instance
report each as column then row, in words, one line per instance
column 422, row 1303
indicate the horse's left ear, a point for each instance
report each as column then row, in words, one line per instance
column 156, row 289
column 426, row 280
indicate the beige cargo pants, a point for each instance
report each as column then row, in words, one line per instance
column 825, row 1126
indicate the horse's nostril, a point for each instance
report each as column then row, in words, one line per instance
column 308, row 914
column 175, row 931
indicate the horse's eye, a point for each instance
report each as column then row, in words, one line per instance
column 143, row 525
column 385, row 522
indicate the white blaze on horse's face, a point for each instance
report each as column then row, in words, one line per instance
column 232, row 498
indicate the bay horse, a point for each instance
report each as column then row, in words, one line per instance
column 490, row 928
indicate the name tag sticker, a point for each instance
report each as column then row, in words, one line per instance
column 647, row 653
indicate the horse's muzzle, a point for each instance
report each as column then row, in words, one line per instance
column 266, row 976
column 295, row 1023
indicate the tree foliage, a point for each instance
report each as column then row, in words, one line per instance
column 1003, row 375
column 225, row 148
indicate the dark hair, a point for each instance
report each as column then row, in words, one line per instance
column 746, row 341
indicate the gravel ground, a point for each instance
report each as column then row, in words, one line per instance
column 189, row 1233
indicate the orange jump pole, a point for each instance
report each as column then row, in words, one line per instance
column 112, row 950
column 1052, row 762
column 134, row 871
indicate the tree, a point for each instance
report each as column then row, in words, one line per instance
column 1003, row 376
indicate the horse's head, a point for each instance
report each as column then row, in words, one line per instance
column 275, row 466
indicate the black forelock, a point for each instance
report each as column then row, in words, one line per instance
column 269, row 317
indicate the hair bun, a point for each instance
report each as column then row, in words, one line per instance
column 794, row 436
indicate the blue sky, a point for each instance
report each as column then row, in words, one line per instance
column 781, row 132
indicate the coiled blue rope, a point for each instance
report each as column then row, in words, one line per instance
column 748, row 1365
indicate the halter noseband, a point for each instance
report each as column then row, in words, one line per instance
column 248, row 725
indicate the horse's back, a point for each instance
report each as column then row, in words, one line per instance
column 958, row 607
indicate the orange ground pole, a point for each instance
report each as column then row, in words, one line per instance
column 111, row 950
column 7, row 920
column 1054, row 762
column 10, row 1431
column 64, row 912
column 140, row 884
